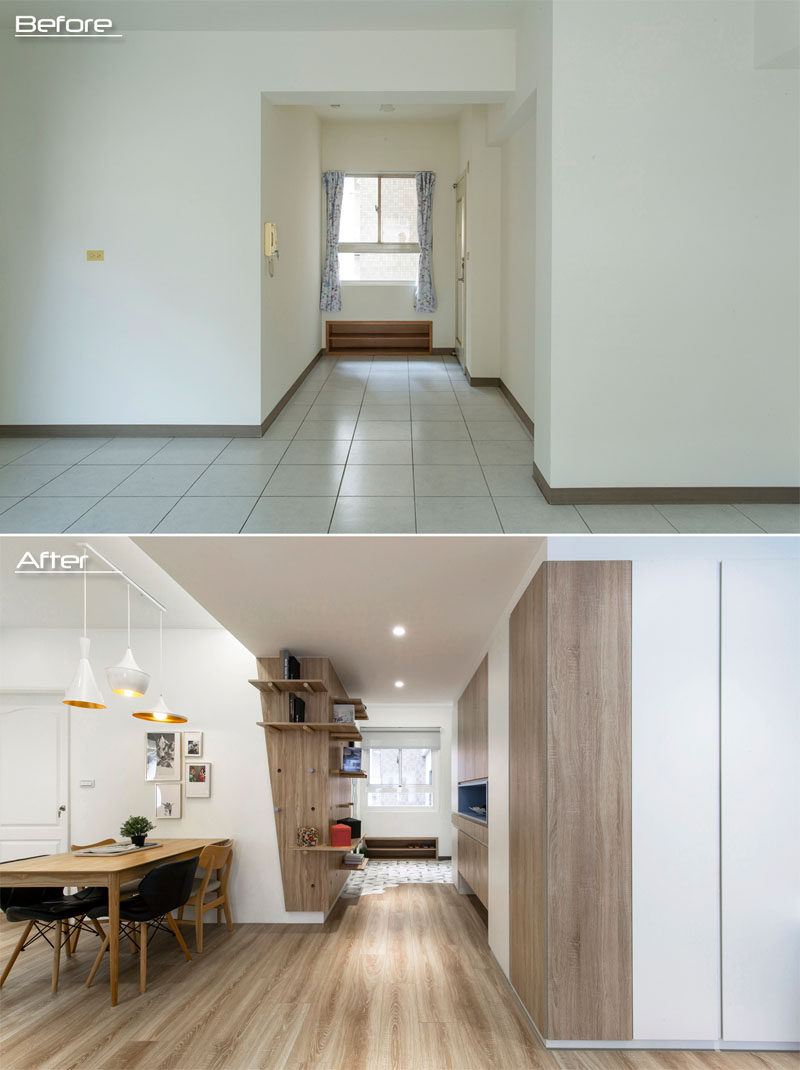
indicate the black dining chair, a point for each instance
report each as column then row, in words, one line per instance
column 49, row 912
column 164, row 889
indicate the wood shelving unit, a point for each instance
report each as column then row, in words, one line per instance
column 284, row 687
column 361, row 709
column 350, row 776
column 397, row 847
column 308, row 787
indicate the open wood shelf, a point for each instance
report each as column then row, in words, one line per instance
column 279, row 687
column 336, row 730
column 357, row 703
column 355, row 869
column 326, row 847
column 350, row 776
column 378, row 336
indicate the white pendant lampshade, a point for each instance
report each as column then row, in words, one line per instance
column 160, row 713
column 127, row 679
column 83, row 691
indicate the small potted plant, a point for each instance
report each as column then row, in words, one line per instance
column 137, row 828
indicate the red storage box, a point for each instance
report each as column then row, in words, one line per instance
column 341, row 836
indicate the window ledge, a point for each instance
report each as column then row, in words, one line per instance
column 366, row 282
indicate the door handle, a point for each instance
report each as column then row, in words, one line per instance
column 61, row 810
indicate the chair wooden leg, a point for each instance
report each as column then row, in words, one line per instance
column 98, row 928
column 228, row 919
column 56, row 954
column 198, row 926
column 174, row 926
column 142, row 956
column 180, row 914
column 76, row 936
column 15, row 952
column 97, row 961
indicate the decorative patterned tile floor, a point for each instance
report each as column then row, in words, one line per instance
column 380, row 875
column 366, row 445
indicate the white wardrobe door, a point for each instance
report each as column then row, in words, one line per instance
column 760, row 738
column 676, row 800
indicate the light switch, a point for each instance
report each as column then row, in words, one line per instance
column 87, row 783
column 95, row 254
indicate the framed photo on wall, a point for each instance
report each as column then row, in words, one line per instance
column 168, row 801
column 193, row 744
column 198, row 780
column 162, row 755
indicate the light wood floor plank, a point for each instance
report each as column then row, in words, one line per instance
column 398, row 981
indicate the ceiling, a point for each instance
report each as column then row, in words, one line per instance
column 287, row 15
column 409, row 107
column 341, row 596
column 56, row 601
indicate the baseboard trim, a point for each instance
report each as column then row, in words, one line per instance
column 130, row 430
column 274, row 413
column 664, row 495
column 157, row 430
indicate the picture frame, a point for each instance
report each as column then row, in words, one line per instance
column 193, row 744
column 162, row 755
column 198, row 780
column 168, row 801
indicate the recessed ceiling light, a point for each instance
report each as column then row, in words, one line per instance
column 387, row 107
column 399, row 683
column 398, row 630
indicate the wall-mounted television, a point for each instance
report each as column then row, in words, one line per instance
column 472, row 800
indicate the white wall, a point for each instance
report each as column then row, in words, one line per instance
column 149, row 148
column 518, row 265
column 414, row 822
column 401, row 146
column 675, row 256
column 290, row 183
column 206, row 673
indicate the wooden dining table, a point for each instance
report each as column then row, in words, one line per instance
column 99, row 871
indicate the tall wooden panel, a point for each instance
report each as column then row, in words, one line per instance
column 528, row 798
column 570, row 717
column 473, row 726
column 473, row 865
column 589, row 800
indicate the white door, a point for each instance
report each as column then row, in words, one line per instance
column 461, row 268
column 34, row 776
column 760, row 742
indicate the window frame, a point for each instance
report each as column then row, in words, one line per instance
column 378, row 246
column 432, row 787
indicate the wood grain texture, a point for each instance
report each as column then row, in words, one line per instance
column 589, row 800
column 274, row 997
column 528, row 798
column 473, row 726
column 473, row 865
column 476, row 829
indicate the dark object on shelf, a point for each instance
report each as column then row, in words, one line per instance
column 472, row 800
column 291, row 667
column 351, row 759
column 401, row 847
column 297, row 709
column 355, row 826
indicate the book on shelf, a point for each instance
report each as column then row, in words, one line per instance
column 291, row 667
column 344, row 713
column 297, row 709
column 353, row 859
column 351, row 759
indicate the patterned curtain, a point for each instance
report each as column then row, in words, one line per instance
column 330, row 298
column 425, row 296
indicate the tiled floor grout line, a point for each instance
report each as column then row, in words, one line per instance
column 350, row 444
column 665, row 518
column 480, row 463
column 744, row 514
column 288, row 445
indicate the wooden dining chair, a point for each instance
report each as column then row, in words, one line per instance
column 126, row 889
column 214, row 859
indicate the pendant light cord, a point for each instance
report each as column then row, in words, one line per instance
column 84, row 599
column 161, row 651
column 128, row 589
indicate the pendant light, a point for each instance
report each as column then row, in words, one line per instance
column 83, row 691
column 127, row 679
column 160, row 712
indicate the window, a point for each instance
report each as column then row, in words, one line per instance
column 378, row 230
column 400, row 777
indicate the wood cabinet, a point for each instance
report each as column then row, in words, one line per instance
column 473, row 726
column 304, row 767
column 570, row 810
column 473, row 865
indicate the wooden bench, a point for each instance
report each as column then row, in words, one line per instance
column 401, row 847
column 378, row 336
